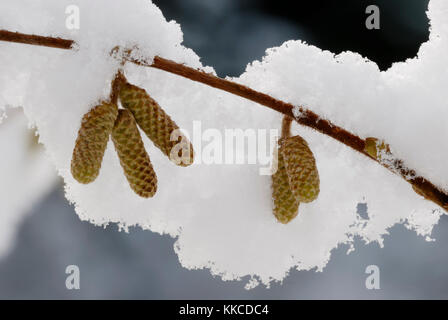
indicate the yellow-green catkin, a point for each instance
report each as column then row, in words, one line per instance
column 157, row 125
column 301, row 169
column 134, row 160
column 286, row 206
column 93, row 136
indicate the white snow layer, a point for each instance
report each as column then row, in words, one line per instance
column 26, row 175
column 222, row 214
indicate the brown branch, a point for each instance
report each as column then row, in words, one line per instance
column 36, row 40
column 306, row 117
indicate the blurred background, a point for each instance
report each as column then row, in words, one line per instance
column 228, row 34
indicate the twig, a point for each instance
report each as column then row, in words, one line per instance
column 116, row 85
column 286, row 126
column 307, row 117
column 36, row 40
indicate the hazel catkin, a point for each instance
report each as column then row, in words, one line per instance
column 157, row 125
column 296, row 179
column 134, row 160
column 300, row 166
column 286, row 205
column 91, row 142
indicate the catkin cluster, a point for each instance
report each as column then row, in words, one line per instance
column 107, row 120
column 296, row 179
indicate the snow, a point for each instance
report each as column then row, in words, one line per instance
column 26, row 175
column 221, row 214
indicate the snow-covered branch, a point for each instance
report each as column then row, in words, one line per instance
column 302, row 115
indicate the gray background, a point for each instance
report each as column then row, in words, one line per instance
column 228, row 34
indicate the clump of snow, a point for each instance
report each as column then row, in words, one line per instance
column 26, row 175
column 221, row 214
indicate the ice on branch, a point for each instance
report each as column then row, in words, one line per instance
column 222, row 214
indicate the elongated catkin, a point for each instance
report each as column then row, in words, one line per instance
column 134, row 160
column 286, row 205
column 91, row 143
column 300, row 166
column 157, row 125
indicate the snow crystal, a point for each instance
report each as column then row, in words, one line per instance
column 221, row 214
